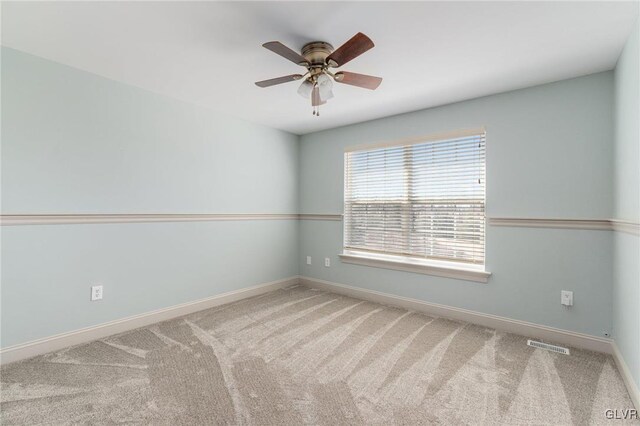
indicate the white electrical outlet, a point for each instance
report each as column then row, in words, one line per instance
column 96, row 293
column 327, row 262
column 566, row 298
column 308, row 260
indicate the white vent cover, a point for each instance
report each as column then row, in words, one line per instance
column 548, row 347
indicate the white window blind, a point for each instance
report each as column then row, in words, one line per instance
column 422, row 199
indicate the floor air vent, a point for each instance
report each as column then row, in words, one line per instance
column 548, row 347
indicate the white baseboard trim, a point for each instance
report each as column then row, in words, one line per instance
column 569, row 338
column 623, row 368
column 550, row 334
column 83, row 335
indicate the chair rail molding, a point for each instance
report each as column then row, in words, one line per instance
column 618, row 225
column 626, row 226
column 69, row 219
column 585, row 224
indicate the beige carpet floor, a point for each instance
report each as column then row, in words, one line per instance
column 302, row 356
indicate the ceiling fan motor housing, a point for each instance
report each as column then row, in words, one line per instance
column 316, row 52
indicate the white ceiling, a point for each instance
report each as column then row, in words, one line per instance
column 429, row 53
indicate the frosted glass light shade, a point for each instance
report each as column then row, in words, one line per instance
column 325, row 84
column 305, row 89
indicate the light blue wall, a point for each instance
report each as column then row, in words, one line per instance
column 548, row 156
column 627, row 131
column 626, row 284
column 73, row 142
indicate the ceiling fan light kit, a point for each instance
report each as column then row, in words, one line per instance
column 318, row 57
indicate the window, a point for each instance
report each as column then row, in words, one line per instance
column 419, row 200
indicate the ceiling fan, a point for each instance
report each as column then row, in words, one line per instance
column 318, row 57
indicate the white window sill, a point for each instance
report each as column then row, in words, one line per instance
column 428, row 267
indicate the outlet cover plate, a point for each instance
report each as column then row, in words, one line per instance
column 96, row 293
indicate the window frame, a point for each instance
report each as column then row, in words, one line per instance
column 414, row 263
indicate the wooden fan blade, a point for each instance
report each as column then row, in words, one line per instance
column 361, row 80
column 356, row 46
column 279, row 80
column 285, row 52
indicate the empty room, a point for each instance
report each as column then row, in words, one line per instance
column 323, row 213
